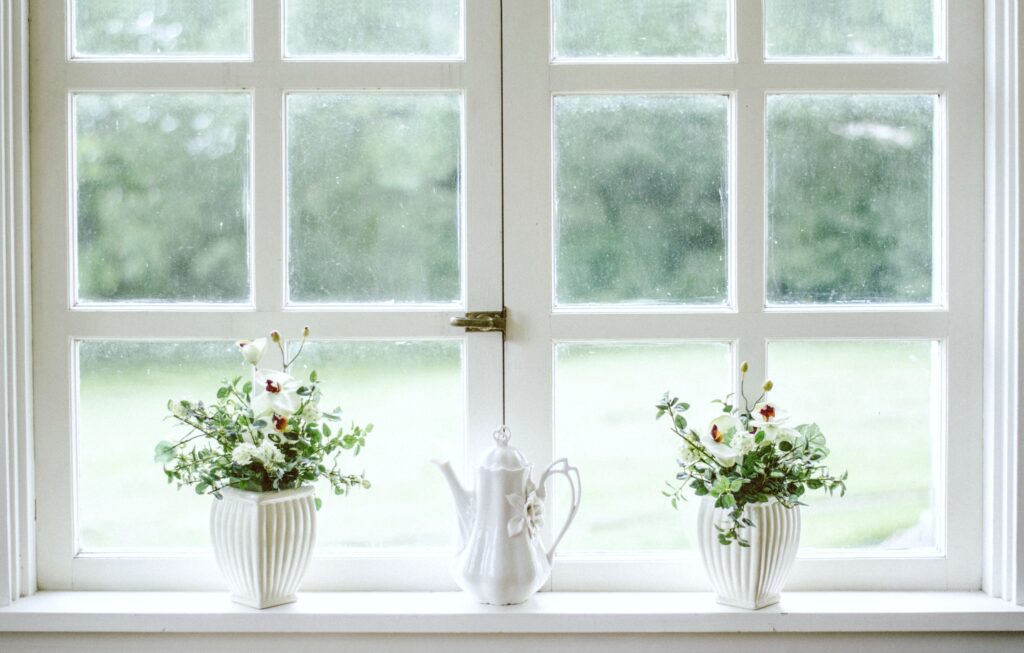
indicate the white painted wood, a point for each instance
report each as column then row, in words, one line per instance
column 267, row 78
column 1003, row 555
column 17, row 545
column 551, row 612
column 539, row 643
column 955, row 318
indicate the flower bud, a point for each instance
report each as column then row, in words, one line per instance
column 275, row 336
column 305, row 332
column 768, row 385
column 744, row 367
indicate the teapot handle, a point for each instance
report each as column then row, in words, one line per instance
column 562, row 466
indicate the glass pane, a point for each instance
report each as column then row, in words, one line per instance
column 604, row 424
column 373, row 28
column 122, row 405
column 162, row 196
column 641, row 28
column 123, row 393
column 641, row 202
column 413, row 393
column 850, row 28
column 850, row 186
column 160, row 28
column 374, row 197
column 875, row 402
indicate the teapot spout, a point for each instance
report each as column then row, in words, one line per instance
column 463, row 500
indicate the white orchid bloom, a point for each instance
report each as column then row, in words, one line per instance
column 721, row 432
column 275, row 393
column 252, row 350
column 767, row 414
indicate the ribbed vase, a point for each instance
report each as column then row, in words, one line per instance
column 749, row 577
column 263, row 542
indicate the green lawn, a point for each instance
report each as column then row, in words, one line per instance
column 872, row 400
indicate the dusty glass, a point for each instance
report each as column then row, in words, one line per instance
column 162, row 196
column 604, row 423
column 641, row 199
column 411, row 391
column 374, row 197
column 876, row 403
column 373, row 28
column 641, row 28
column 851, row 184
column 124, row 500
column 864, row 29
column 161, row 29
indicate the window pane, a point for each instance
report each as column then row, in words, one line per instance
column 604, row 424
column 641, row 28
column 641, row 199
column 162, row 196
column 850, row 183
column 158, row 28
column 413, row 393
column 373, row 28
column 850, row 28
column 123, row 393
column 374, row 197
column 122, row 404
column 875, row 402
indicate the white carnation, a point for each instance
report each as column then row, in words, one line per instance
column 268, row 454
column 244, row 453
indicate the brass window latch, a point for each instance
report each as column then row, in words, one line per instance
column 481, row 321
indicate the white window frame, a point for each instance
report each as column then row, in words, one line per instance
column 747, row 322
column 268, row 77
column 1002, row 556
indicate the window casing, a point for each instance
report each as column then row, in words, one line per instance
column 519, row 137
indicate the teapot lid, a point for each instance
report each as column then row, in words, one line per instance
column 503, row 456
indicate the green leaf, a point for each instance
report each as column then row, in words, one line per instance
column 317, row 501
column 312, row 376
column 164, row 453
column 223, row 392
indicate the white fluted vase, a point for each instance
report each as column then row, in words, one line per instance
column 263, row 542
column 749, row 577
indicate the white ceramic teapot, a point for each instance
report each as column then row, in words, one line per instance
column 501, row 557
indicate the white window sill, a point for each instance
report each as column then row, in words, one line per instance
column 452, row 612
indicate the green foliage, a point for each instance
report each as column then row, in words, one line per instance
column 228, row 444
column 756, row 461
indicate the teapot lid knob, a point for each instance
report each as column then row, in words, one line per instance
column 502, row 436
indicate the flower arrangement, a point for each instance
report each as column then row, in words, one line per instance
column 261, row 435
column 748, row 455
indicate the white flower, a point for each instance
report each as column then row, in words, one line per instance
column 528, row 513
column 243, row 454
column 718, row 439
column 275, row 393
column 767, row 414
column 312, row 413
column 269, row 454
column 274, row 424
column 743, row 442
column 179, row 409
column 252, row 350
column 687, row 456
